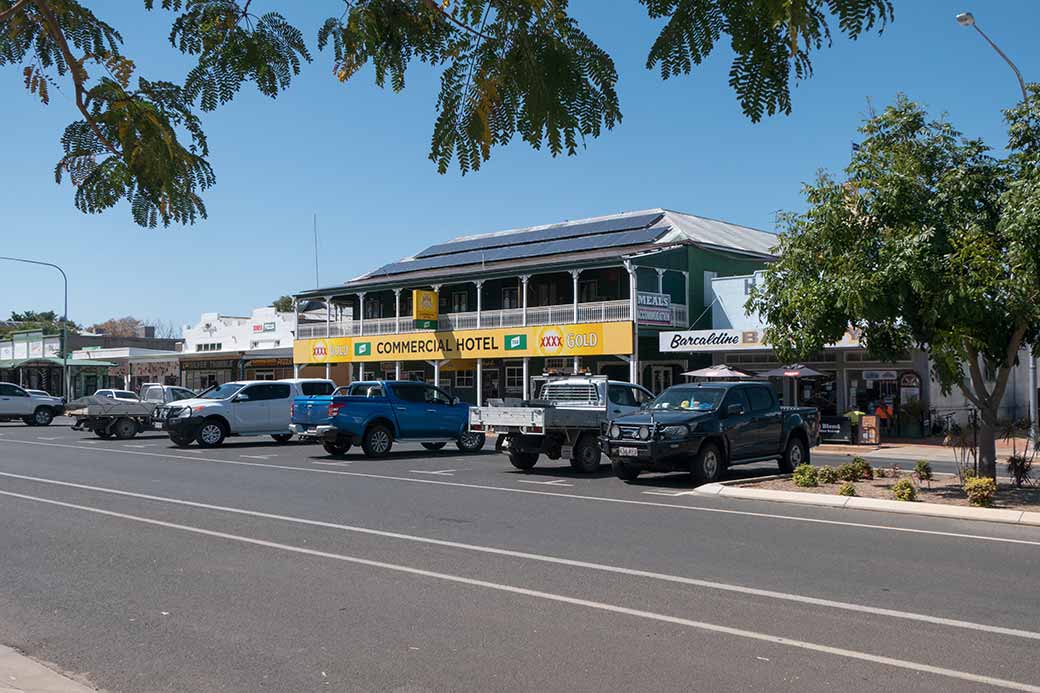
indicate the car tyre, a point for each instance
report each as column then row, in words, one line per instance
column 795, row 454
column 336, row 448
column 180, row 441
column 377, row 441
column 708, row 464
column 124, row 429
column 211, row 434
column 523, row 460
column 282, row 437
column 586, row 455
column 623, row 471
column 433, row 446
column 103, row 432
column 471, row 442
column 43, row 416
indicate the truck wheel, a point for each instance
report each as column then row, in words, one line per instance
column 377, row 441
column 102, row 431
column 42, row 416
column 625, row 472
column 471, row 442
column 795, row 455
column 282, row 437
column 180, row 441
column 586, row 455
column 708, row 464
column 338, row 447
column 211, row 434
column 124, row 429
column 523, row 460
column 433, row 446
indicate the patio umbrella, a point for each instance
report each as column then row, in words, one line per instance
column 795, row 371
column 720, row 371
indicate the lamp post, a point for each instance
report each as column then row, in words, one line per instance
column 968, row 19
column 64, row 322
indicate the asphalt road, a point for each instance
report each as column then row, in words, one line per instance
column 259, row 566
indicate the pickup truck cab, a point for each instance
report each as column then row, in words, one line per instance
column 373, row 414
column 243, row 408
column 703, row 428
column 34, row 409
column 164, row 394
column 121, row 395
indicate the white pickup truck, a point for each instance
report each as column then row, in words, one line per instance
column 565, row 422
column 34, row 409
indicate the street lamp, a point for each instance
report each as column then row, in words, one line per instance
column 64, row 323
column 968, row 19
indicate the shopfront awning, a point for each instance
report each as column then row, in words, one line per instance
column 8, row 364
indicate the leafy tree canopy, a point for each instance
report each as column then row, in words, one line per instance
column 930, row 241
column 283, row 304
column 508, row 68
column 119, row 327
column 48, row 321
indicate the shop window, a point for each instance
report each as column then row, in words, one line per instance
column 415, row 376
column 510, row 297
column 514, row 378
column 588, row 291
column 459, row 301
column 465, row 379
column 557, row 364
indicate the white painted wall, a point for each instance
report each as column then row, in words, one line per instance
column 731, row 293
column 265, row 328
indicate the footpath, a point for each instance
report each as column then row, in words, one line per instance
column 21, row 674
column 911, row 451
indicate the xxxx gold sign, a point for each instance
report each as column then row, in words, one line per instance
column 590, row 339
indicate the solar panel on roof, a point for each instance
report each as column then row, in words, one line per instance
column 555, row 232
column 564, row 245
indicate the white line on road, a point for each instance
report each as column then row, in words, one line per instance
column 439, row 472
column 670, row 494
column 258, row 457
column 567, row 496
column 341, row 463
column 710, row 584
column 560, row 598
column 50, row 438
column 554, row 482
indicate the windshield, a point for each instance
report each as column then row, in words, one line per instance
column 689, row 399
column 222, row 391
column 123, row 394
column 153, row 394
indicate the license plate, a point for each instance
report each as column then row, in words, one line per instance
column 628, row 452
column 566, row 451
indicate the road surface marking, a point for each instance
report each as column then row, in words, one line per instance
column 670, row 494
column 51, row 438
column 722, row 586
column 567, row 496
column 259, row 457
column 143, row 445
column 440, row 472
column 554, row 482
column 341, row 463
column 560, row 598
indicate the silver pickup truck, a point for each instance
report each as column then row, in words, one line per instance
column 564, row 422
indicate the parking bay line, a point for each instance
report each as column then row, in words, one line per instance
column 554, row 482
column 560, row 598
column 556, row 560
column 567, row 496
column 439, row 472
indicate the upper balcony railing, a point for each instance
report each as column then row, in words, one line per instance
column 597, row 311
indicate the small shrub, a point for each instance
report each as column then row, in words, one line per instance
column 863, row 468
column 827, row 475
column 848, row 472
column 847, row 489
column 805, row 476
column 980, row 491
column 904, row 490
column 880, row 472
column 923, row 470
column 1018, row 467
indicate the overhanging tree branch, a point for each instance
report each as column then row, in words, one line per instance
column 439, row 9
column 12, row 9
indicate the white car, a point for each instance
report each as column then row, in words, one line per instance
column 34, row 409
column 164, row 394
column 121, row 395
column 244, row 408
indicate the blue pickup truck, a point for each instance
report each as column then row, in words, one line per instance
column 373, row 414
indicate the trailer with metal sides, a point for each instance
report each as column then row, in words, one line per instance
column 111, row 418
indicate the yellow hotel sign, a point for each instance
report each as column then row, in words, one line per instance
column 589, row 339
column 424, row 309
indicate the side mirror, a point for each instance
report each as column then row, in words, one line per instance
column 735, row 410
column 241, row 398
column 454, row 401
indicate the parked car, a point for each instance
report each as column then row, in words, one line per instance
column 124, row 395
column 564, row 422
column 245, row 408
column 164, row 394
column 375, row 414
column 35, row 408
column 705, row 427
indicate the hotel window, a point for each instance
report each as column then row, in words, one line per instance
column 588, row 291
column 558, row 364
column 213, row 346
column 510, row 298
column 459, row 301
column 514, row 378
column 465, row 378
column 373, row 309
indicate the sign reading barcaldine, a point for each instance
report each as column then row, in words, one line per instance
column 710, row 340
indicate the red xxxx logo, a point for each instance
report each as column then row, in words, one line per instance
column 553, row 340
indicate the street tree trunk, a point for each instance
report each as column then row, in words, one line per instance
column 988, row 442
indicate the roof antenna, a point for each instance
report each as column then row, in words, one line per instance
column 317, row 284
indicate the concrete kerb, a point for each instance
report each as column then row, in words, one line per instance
column 729, row 489
column 22, row 674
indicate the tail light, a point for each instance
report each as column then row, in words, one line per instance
column 334, row 408
column 292, row 409
column 534, row 429
column 476, row 427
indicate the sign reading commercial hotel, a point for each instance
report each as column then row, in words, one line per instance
column 424, row 309
column 589, row 339
column 653, row 308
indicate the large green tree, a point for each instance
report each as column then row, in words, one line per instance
column 508, row 67
column 929, row 241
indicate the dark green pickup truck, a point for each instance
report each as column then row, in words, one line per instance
column 703, row 428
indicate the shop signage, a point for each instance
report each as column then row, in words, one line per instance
column 653, row 308
column 879, row 375
column 424, row 309
column 836, row 429
column 909, row 387
column 207, row 365
column 264, row 327
column 268, row 363
column 732, row 340
column 589, row 339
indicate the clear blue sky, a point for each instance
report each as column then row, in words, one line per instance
column 356, row 155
